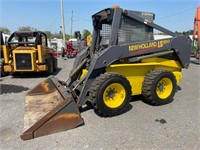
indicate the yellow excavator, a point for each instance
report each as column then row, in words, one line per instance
column 123, row 60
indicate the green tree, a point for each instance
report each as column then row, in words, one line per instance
column 189, row 32
column 5, row 30
column 49, row 34
column 86, row 33
column 59, row 35
column 179, row 33
column 26, row 28
column 67, row 37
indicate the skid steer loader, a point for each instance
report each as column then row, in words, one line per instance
column 123, row 60
column 28, row 51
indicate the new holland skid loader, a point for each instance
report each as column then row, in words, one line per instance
column 123, row 60
column 28, row 52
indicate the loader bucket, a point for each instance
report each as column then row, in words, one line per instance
column 49, row 108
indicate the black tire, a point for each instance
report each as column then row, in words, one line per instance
column 1, row 67
column 55, row 63
column 49, row 63
column 63, row 52
column 72, row 55
column 16, row 74
column 159, row 87
column 68, row 55
column 197, row 56
column 99, row 88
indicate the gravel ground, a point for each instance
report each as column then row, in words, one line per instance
column 172, row 126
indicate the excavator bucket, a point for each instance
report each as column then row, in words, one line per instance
column 49, row 108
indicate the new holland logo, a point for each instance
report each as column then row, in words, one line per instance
column 148, row 46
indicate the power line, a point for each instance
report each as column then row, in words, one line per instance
column 81, row 19
column 177, row 13
column 54, row 20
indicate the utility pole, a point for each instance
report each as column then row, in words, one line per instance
column 63, row 22
column 71, row 21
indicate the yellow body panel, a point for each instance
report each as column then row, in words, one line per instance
column 136, row 72
column 39, row 48
column 84, row 71
column 41, row 68
column 89, row 40
column 8, row 68
column 33, row 58
column 6, row 53
column 37, row 65
column 178, row 76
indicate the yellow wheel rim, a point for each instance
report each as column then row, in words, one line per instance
column 114, row 95
column 164, row 88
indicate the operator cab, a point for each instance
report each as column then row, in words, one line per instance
column 27, row 38
column 113, row 26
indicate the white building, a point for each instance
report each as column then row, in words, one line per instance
column 158, row 37
column 56, row 44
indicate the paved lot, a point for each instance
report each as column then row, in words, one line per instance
column 173, row 126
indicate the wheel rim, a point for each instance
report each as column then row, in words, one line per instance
column 114, row 95
column 164, row 88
